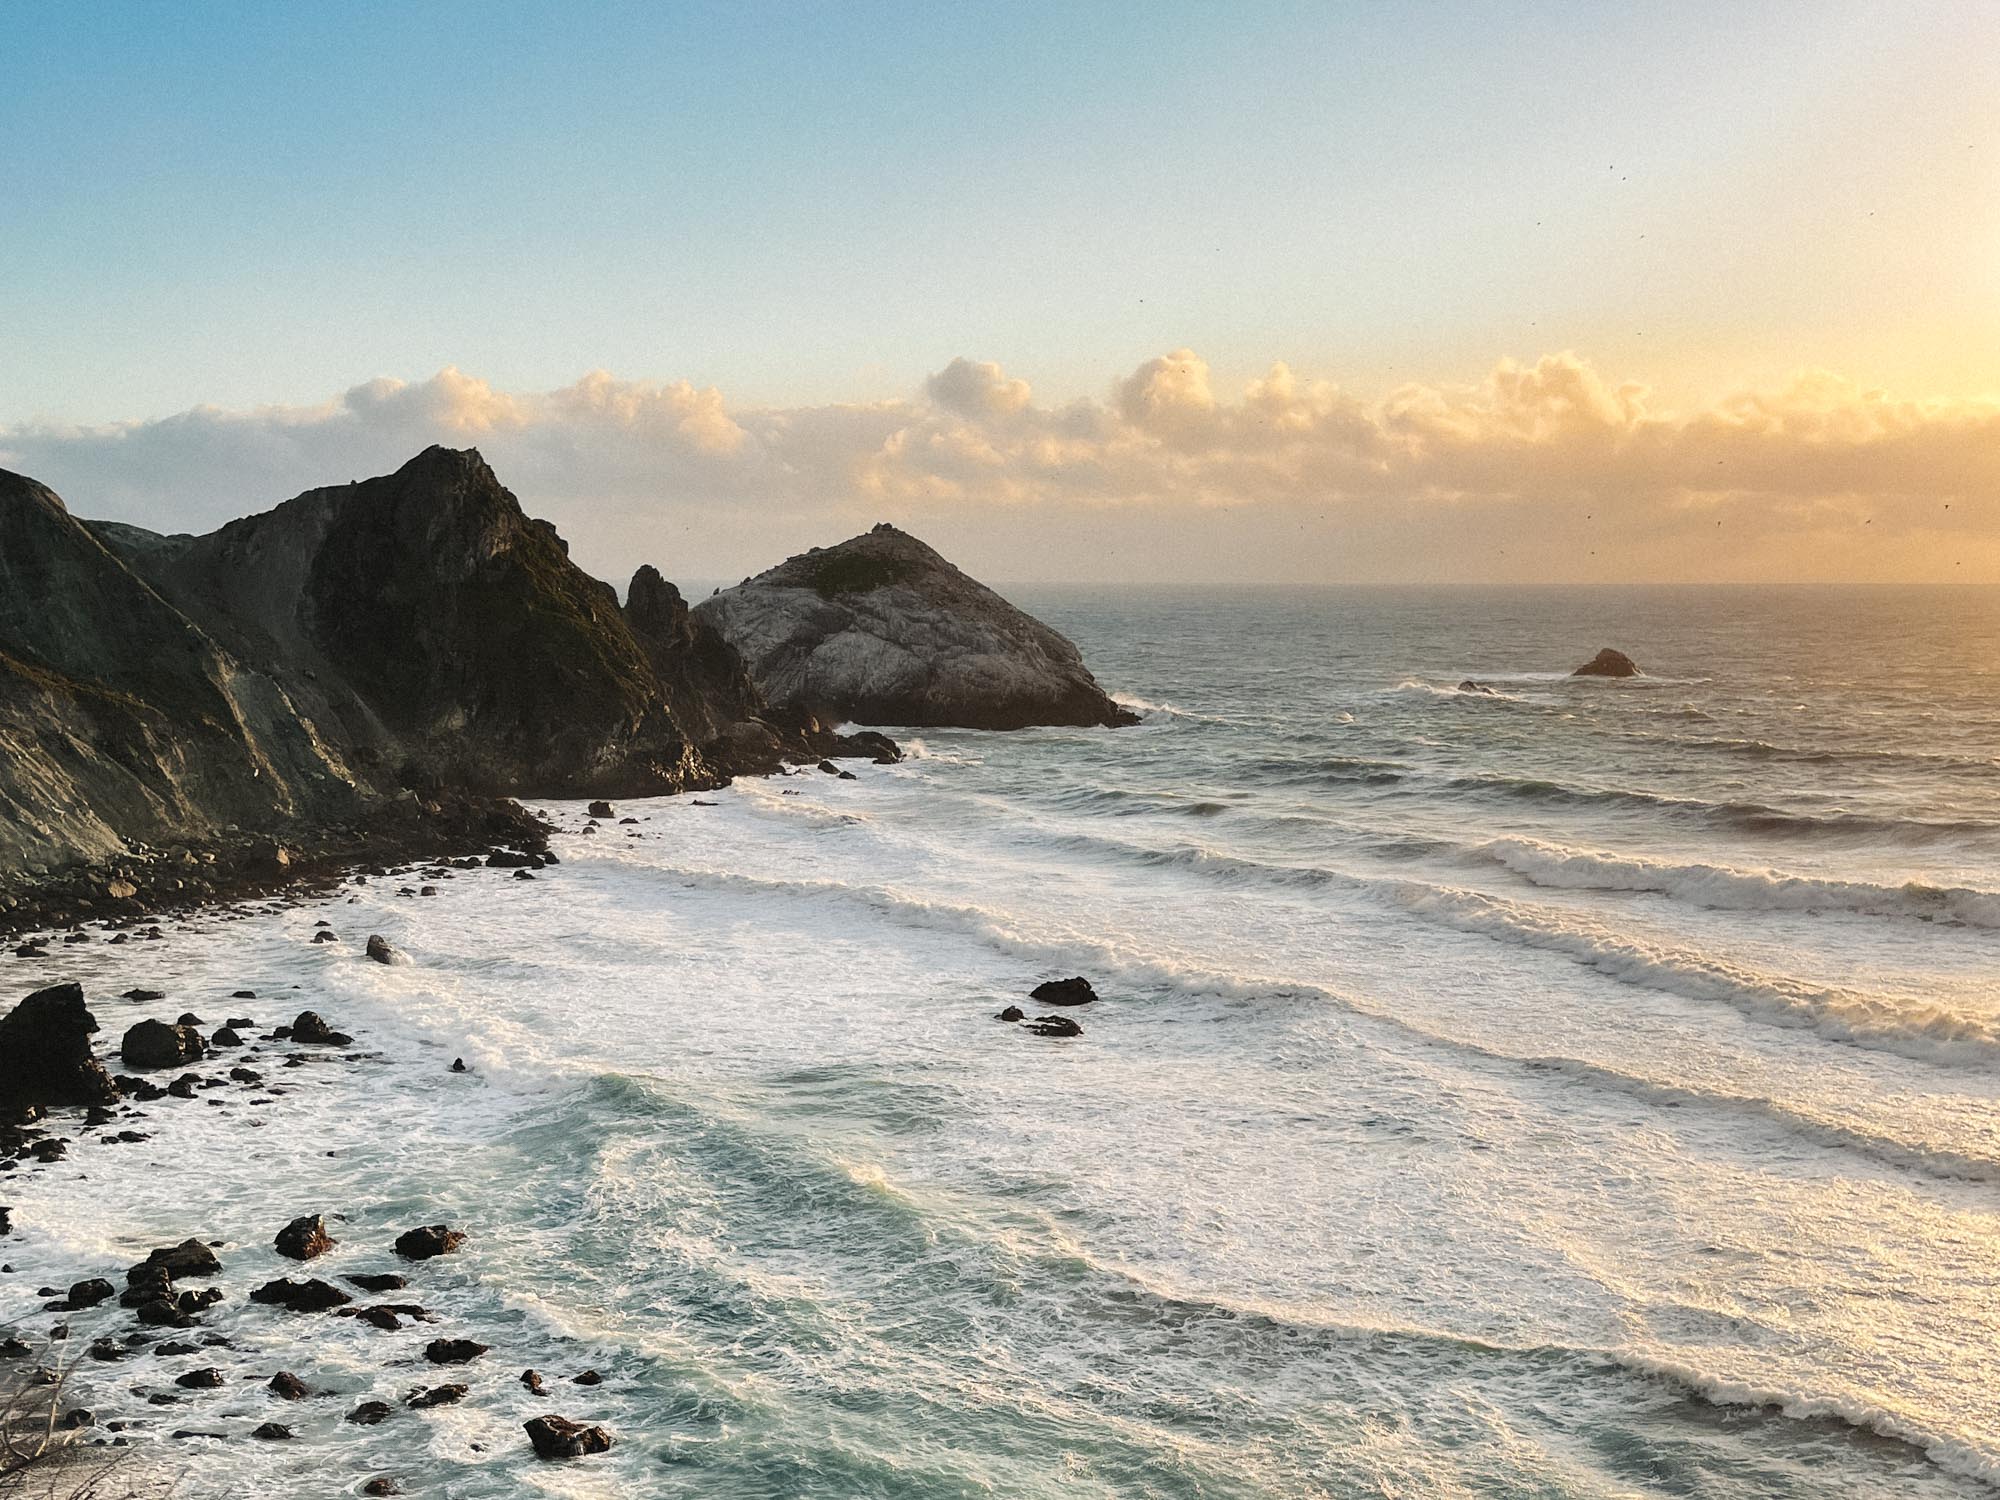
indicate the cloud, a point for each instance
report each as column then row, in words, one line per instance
column 1542, row 470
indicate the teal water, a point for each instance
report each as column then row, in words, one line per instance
column 1579, row 1089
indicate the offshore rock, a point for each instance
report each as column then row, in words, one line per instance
column 882, row 630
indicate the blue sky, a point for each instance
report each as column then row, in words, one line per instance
column 244, row 206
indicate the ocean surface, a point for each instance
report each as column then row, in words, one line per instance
column 1584, row 1088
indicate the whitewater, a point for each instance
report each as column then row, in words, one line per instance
column 1578, row 1089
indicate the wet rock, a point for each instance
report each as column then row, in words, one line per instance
column 377, row 1317
column 189, row 1258
column 304, row 1238
column 453, row 1351
column 45, row 1055
column 1075, row 991
column 368, row 1413
column 309, row 1027
column 428, row 1241
column 226, row 1036
column 588, row 1377
column 207, row 1378
column 325, row 935
column 1054, row 1026
column 243, row 995
column 602, row 810
column 380, row 950
column 286, row 1385
column 271, row 1432
column 144, row 996
column 189, row 1018
column 1011, row 1013
column 370, row 1281
column 381, row 1484
column 532, row 1379
column 155, row 1044
column 90, row 1293
column 312, row 1295
column 458, row 1065
column 184, row 1086
column 559, row 1437
column 1469, row 686
column 1608, row 663
column 439, row 1395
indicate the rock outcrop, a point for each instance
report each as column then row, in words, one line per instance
column 363, row 657
column 45, row 1052
column 882, row 630
column 1608, row 663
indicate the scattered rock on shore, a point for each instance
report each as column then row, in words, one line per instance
column 559, row 1437
column 1075, row 991
column 380, row 950
column 427, row 1241
column 155, row 1044
column 45, row 1055
column 304, row 1238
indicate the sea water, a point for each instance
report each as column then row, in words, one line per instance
column 1577, row 1088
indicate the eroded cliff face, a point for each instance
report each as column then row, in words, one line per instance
column 425, row 619
column 120, row 718
column 412, row 633
column 882, row 630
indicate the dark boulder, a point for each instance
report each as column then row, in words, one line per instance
column 189, row 1258
column 1608, row 663
column 271, row 1432
column 368, row 1413
column 1054, row 1026
column 1064, row 992
column 427, row 1241
column 453, row 1351
column 90, row 1293
column 381, row 1484
column 602, row 810
column 439, row 1395
column 207, row 1378
column 532, row 1379
column 155, row 1044
column 312, row 1295
column 378, row 1282
column 1011, row 1013
column 287, row 1385
column 380, row 950
column 309, row 1027
column 559, row 1437
column 45, row 1055
column 304, row 1238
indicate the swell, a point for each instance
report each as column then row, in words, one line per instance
column 1117, row 969
column 1910, row 1027
column 1720, row 887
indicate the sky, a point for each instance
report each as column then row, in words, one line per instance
column 1255, row 292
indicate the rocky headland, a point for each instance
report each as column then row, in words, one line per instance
column 882, row 630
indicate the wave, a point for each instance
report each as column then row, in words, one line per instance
column 1817, row 755
column 1722, row 888
column 1953, row 1454
column 1742, row 817
column 1913, row 1028
column 1416, row 686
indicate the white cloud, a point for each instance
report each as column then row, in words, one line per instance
column 1540, row 470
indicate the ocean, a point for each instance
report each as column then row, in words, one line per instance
column 1576, row 1089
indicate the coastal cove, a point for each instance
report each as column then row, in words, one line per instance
column 1572, row 1087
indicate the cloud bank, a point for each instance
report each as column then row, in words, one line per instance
column 1540, row 472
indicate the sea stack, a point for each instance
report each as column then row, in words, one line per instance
column 882, row 630
column 1608, row 663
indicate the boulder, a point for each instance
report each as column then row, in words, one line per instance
column 559, row 1437
column 882, row 630
column 189, row 1258
column 155, row 1044
column 380, row 950
column 1075, row 991
column 312, row 1295
column 368, row 1413
column 1054, row 1026
column 439, row 1395
column 427, row 1241
column 1011, row 1013
column 287, row 1386
column 1608, row 663
column 453, row 1351
column 271, row 1432
column 602, row 810
column 309, row 1027
column 370, row 1281
column 45, row 1055
column 304, row 1238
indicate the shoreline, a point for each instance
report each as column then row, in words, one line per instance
column 98, row 1327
